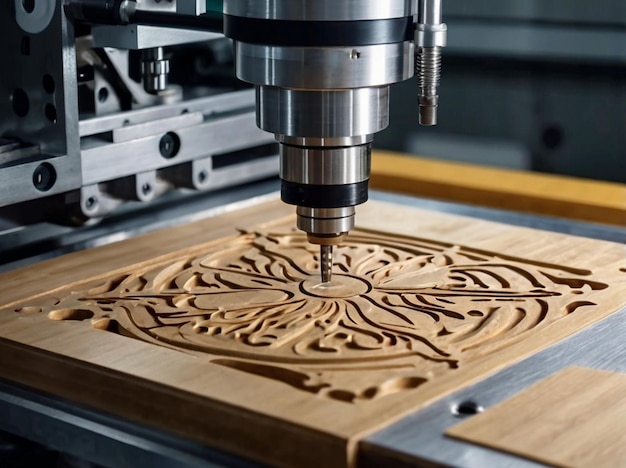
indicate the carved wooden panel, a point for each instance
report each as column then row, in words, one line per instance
column 406, row 319
column 399, row 312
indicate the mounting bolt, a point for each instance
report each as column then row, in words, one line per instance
column 91, row 203
column 169, row 145
column 466, row 408
column 44, row 177
column 203, row 176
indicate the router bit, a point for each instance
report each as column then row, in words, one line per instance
column 326, row 262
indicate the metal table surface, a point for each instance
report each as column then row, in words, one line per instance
column 417, row 439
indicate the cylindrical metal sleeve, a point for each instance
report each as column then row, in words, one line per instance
column 311, row 68
column 318, row 33
column 94, row 11
column 429, row 12
column 327, row 114
column 210, row 21
column 320, row 10
column 325, row 166
column 325, row 221
column 324, row 196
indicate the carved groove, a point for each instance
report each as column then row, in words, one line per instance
column 400, row 311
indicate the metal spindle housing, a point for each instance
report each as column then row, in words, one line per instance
column 322, row 71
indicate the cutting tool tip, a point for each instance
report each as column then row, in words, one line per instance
column 326, row 262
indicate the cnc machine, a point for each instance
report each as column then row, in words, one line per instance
column 321, row 72
column 121, row 117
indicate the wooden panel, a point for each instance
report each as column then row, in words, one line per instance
column 561, row 196
column 219, row 331
column 575, row 418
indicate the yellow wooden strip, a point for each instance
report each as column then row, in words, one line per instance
column 553, row 195
column 575, row 418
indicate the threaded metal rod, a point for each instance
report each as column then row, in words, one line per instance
column 428, row 67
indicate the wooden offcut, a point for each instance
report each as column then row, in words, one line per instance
column 574, row 418
column 530, row 192
column 220, row 330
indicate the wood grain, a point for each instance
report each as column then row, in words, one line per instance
column 544, row 194
column 219, row 331
column 399, row 313
column 575, row 418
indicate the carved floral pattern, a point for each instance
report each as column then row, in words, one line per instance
column 400, row 311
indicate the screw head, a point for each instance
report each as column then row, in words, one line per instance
column 44, row 177
column 466, row 408
column 169, row 145
column 91, row 203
